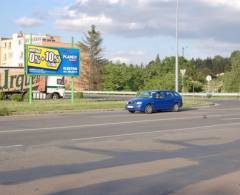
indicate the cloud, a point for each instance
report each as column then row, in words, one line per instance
column 128, row 57
column 210, row 45
column 28, row 22
column 83, row 21
column 119, row 59
column 122, row 17
column 199, row 19
column 230, row 3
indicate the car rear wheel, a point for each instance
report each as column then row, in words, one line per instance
column 148, row 109
column 175, row 108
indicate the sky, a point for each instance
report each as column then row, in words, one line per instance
column 133, row 31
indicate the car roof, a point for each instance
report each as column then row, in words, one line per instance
column 164, row 90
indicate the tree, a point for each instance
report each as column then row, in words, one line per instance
column 92, row 45
column 232, row 78
column 122, row 77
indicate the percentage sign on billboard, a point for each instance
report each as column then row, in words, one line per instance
column 34, row 58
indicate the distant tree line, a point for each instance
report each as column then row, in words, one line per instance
column 159, row 74
column 156, row 75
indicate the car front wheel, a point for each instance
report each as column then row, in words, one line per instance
column 148, row 109
column 131, row 111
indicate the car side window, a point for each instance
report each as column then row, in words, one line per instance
column 161, row 95
column 169, row 94
column 154, row 95
column 176, row 94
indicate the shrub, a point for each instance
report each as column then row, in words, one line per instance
column 138, row 93
column 26, row 96
column 209, row 95
column 78, row 95
column 2, row 96
column 4, row 112
column 17, row 97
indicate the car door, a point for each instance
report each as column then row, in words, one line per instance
column 169, row 100
column 159, row 101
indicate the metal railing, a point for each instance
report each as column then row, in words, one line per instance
column 122, row 95
column 212, row 94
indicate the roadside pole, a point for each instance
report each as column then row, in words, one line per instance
column 72, row 79
column 177, row 52
column 30, row 79
column 183, row 72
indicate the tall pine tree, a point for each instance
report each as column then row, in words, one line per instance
column 91, row 44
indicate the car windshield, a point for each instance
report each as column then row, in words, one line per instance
column 145, row 94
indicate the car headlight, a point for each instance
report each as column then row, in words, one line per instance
column 139, row 103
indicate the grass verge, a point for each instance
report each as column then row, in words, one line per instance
column 43, row 106
column 4, row 111
column 190, row 102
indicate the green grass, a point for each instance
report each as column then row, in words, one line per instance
column 4, row 111
column 225, row 98
column 189, row 102
column 43, row 106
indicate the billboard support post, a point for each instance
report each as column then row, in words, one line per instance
column 72, row 79
column 30, row 80
column 30, row 89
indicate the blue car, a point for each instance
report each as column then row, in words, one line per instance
column 155, row 100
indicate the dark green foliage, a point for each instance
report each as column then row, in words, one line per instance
column 4, row 112
column 122, row 77
column 17, row 97
column 78, row 95
column 2, row 96
column 26, row 96
column 212, row 66
column 160, row 74
column 156, row 75
column 232, row 78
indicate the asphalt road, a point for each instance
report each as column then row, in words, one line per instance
column 105, row 153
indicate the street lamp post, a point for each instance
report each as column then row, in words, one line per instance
column 183, row 72
column 176, row 65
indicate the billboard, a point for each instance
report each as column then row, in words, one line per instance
column 42, row 60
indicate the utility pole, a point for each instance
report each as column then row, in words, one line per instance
column 183, row 72
column 176, row 65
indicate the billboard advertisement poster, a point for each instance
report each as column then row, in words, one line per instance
column 42, row 60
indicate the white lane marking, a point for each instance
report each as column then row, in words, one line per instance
column 12, row 146
column 91, row 125
column 155, row 132
column 229, row 119
column 108, row 124
column 222, row 109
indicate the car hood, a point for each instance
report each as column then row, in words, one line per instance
column 134, row 100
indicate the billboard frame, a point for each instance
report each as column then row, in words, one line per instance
column 50, row 47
